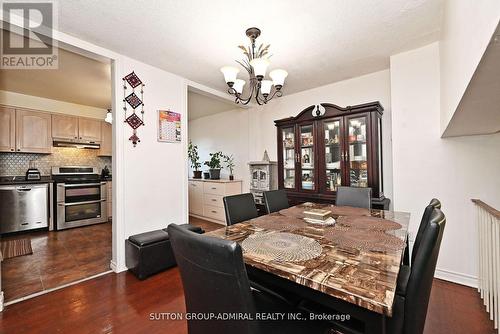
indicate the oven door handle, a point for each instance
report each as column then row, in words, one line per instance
column 80, row 185
column 81, row 203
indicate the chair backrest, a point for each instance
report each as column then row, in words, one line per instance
column 275, row 200
column 422, row 274
column 354, row 196
column 214, row 279
column 239, row 208
column 434, row 204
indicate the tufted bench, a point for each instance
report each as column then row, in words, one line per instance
column 150, row 252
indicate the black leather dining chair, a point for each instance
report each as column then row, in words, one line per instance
column 412, row 294
column 434, row 204
column 354, row 196
column 275, row 200
column 424, row 222
column 215, row 282
column 411, row 300
column 239, row 208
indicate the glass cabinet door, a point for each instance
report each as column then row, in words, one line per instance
column 288, row 135
column 307, row 162
column 357, row 172
column 333, row 154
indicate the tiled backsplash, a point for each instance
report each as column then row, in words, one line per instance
column 17, row 163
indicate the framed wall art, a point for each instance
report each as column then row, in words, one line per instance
column 169, row 126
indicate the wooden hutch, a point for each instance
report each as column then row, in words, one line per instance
column 327, row 146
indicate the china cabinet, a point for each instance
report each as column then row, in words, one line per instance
column 326, row 146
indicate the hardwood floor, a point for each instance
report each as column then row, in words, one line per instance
column 204, row 224
column 120, row 303
column 58, row 258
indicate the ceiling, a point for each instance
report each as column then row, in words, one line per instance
column 201, row 105
column 478, row 111
column 317, row 42
column 78, row 79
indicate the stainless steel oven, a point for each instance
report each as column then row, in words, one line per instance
column 80, row 197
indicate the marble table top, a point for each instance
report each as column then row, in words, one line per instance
column 364, row 274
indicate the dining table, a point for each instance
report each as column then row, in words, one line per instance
column 349, row 263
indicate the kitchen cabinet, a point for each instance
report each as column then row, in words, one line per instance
column 106, row 140
column 206, row 198
column 33, row 131
column 89, row 129
column 64, row 127
column 7, row 129
column 317, row 152
column 196, row 197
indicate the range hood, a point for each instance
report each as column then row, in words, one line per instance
column 76, row 144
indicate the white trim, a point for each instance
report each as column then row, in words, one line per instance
column 115, row 268
column 1, row 301
column 55, row 289
column 454, row 277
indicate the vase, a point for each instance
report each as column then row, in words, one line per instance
column 231, row 177
column 197, row 174
column 214, row 173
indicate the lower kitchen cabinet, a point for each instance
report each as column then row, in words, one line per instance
column 205, row 198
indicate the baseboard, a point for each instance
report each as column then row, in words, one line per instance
column 115, row 268
column 455, row 277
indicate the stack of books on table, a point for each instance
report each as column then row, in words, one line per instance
column 319, row 217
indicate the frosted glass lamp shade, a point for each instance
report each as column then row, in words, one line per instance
column 259, row 67
column 109, row 117
column 265, row 87
column 238, row 85
column 230, row 73
column 278, row 77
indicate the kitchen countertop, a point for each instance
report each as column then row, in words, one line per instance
column 7, row 180
column 216, row 181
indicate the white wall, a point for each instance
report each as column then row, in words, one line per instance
column 258, row 133
column 55, row 106
column 227, row 132
column 154, row 180
column 467, row 28
column 453, row 170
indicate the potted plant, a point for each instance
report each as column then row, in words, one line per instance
column 215, row 165
column 194, row 159
column 229, row 161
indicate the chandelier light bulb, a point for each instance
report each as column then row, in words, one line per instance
column 259, row 67
column 238, row 85
column 230, row 73
column 265, row 87
column 278, row 77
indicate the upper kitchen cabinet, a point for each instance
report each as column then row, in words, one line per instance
column 89, row 129
column 106, row 140
column 7, row 129
column 64, row 127
column 33, row 131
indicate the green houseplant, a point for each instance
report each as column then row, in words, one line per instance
column 214, row 165
column 194, row 158
column 229, row 161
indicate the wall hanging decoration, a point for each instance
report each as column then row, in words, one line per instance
column 134, row 102
column 169, row 126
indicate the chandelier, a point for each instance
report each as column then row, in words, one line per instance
column 255, row 63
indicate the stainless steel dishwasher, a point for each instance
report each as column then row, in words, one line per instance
column 23, row 207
